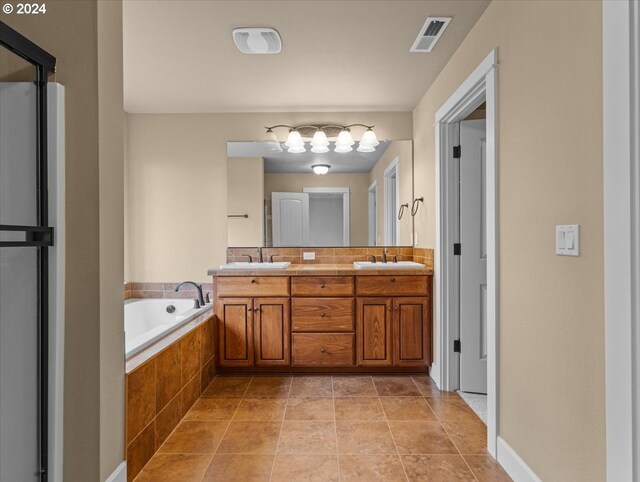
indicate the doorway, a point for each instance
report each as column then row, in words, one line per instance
column 391, row 203
column 479, row 87
column 318, row 216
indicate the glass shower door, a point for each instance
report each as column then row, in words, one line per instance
column 23, row 274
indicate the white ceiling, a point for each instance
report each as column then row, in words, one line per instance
column 179, row 55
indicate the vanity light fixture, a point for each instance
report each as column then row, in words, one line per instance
column 320, row 169
column 320, row 134
column 272, row 142
column 319, row 143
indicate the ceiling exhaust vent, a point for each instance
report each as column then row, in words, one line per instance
column 259, row 40
column 430, row 34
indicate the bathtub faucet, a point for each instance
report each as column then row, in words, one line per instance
column 198, row 287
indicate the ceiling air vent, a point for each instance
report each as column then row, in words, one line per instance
column 257, row 40
column 430, row 34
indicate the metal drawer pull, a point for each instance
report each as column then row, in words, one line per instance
column 393, row 280
column 253, row 281
column 323, row 315
column 322, row 285
column 323, row 350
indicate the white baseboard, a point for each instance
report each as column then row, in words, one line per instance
column 434, row 373
column 517, row 468
column 120, row 474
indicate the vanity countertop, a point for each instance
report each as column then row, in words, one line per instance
column 320, row 269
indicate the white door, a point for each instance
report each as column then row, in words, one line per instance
column 290, row 218
column 473, row 258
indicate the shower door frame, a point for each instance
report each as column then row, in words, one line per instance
column 41, row 235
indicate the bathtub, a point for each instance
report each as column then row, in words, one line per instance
column 147, row 320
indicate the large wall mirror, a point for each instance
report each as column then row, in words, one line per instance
column 283, row 199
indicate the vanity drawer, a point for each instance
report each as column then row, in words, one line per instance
column 322, row 314
column 394, row 285
column 253, row 286
column 322, row 286
column 322, row 349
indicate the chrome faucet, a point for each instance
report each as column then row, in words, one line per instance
column 373, row 258
column 384, row 255
column 198, row 287
column 260, row 258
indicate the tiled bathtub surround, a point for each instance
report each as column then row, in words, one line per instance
column 333, row 255
column 162, row 389
column 163, row 290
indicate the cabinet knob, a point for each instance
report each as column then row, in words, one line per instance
column 323, row 315
column 323, row 350
column 396, row 308
column 253, row 281
column 393, row 280
column 322, row 285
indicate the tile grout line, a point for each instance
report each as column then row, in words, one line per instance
column 284, row 414
column 228, row 425
column 335, row 427
column 386, row 418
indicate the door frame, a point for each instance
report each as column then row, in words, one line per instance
column 392, row 168
column 346, row 209
column 621, row 182
column 480, row 86
column 372, row 210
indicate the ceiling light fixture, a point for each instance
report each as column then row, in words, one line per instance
column 257, row 40
column 321, row 169
column 320, row 134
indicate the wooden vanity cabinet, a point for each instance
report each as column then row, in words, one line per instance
column 253, row 331
column 368, row 321
column 393, row 331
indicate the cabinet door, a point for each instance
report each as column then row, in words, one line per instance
column 411, row 332
column 374, row 332
column 235, row 331
column 271, row 331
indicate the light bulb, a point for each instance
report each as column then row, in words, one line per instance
column 369, row 139
column 365, row 148
column 294, row 139
column 320, row 149
column 344, row 139
column 319, row 139
column 342, row 149
column 271, row 142
column 297, row 149
column 320, row 169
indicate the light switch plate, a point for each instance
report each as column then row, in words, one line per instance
column 568, row 239
column 309, row 256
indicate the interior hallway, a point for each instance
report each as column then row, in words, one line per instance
column 326, row 428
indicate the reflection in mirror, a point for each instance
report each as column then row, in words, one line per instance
column 283, row 199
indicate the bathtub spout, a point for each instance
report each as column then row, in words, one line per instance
column 198, row 287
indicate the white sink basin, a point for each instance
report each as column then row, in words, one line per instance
column 256, row 266
column 389, row 265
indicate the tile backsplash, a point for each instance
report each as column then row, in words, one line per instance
column 333, row 255
column 164, row 290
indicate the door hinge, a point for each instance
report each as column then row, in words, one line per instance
column 457, row 249
column 457, row 346
column 457, row 152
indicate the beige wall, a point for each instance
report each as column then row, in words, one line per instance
column 111, row 181
column 358, row 184
column 550, row 172
column 245, row 188
column 403, row 151
column 94, row 358
column 177, row 183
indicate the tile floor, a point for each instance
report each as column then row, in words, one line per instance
column 325, row 428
